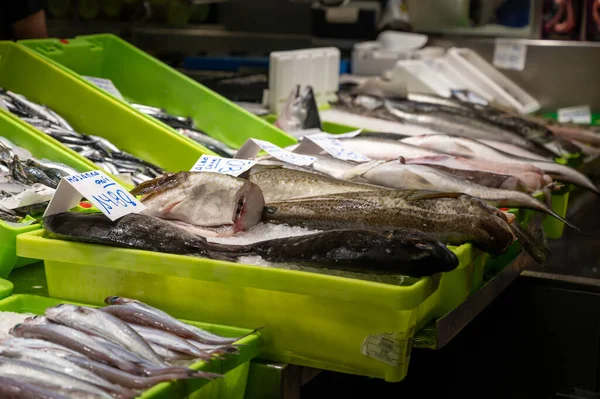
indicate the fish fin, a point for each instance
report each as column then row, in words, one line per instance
column 160, row 184
column 536, row 249
column 360, row 170
column 427, row 194
column 169, row 207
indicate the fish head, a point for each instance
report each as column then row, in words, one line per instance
column 208, row 200
column 493, row 225
column 56, row 313
column 117, row 300
column 426, row 254
column 36, row 320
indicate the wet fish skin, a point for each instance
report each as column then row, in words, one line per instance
column 53, row 173
column 18, row 173
column 473, row 148
column 170, row 341
column 95, row 322
column 16, row 388
column 397, row 175
column 449, row 121
column 487, row 179
column 449, row 217
column 38, row 176
column 64, row 366
column 122, row 378
column 384, row 149
column 38, row 345
column 46, row 377
column 533, row 177
column 404, row 251
column 74, row 340
column 131, row 231
column 185, row 330
column 278, row 183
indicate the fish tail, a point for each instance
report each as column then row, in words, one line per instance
column 536, row 249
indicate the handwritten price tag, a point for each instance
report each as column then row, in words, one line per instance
column 106, row 85
column 316, row 143
column 510, row 54
column 253, row 146
column 226, row 166
column 102, row 191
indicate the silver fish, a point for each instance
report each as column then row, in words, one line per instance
column 385, row 149
column 37, row 374
column 64, row 366
column 169, row 341
column 95, row 322
column 473, row 148
column 456, row 124
column 72, row 339
column 130, row 381
column 397, row 175
column 15, row 387
column 156, row 318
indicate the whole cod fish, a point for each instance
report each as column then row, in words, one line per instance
column 451, row 218
column 395, row 174
column 214, row 202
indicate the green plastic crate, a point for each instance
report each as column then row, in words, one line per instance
column 143, row 79
column 41, row 147
column 310, row 319
column 234, row 368
column 93, row 111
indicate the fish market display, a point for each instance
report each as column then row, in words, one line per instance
column 395, row 251
column 187, row 127
column 97, row 149
column 462, row 119
column 113, row 352
column 26, row 183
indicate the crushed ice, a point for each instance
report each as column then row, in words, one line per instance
column 10, row 319
column 267, row 231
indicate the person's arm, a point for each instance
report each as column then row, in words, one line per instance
column 31, row 27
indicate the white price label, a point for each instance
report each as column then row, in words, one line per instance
column 106, row 85
column 510, row 54
column 580, row 114
column 226, row 166
column 253, row 146
column 102, row 191
column 335, row 148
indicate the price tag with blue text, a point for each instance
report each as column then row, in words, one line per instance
column 226, row 166
column 106, row 194
column 253, row 146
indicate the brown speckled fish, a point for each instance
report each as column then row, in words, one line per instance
column 449, row 217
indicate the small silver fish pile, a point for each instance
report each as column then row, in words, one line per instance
column 97, row 149
column 187, row 127
column 112, row 352
column 26, row 183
